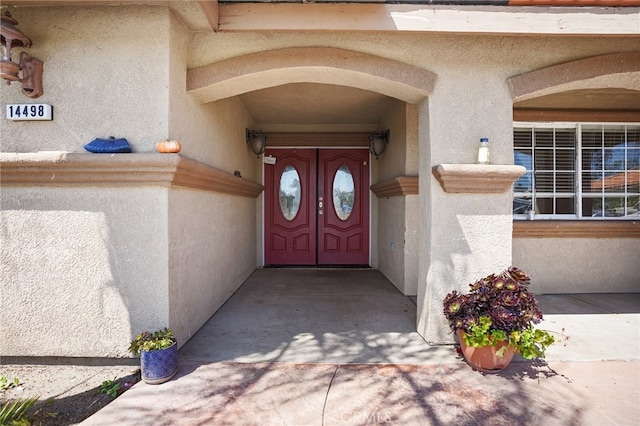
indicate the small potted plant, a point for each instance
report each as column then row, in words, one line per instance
column 495, row 319
column 158, row 352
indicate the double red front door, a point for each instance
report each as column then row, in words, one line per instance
column 317, row 207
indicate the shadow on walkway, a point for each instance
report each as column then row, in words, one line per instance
column 339, row 347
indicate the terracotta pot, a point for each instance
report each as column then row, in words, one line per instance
column 484, row 358
column 168, row 146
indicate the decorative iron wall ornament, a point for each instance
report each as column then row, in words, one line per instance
column 31, row 68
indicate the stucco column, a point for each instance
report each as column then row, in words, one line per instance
column 464, row 236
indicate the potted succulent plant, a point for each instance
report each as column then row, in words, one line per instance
column 158, row 352
column 495, row 319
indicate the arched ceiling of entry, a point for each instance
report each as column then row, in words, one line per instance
column 314, row 85
column 316, row 104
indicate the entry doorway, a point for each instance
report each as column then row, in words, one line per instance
column 316, row 207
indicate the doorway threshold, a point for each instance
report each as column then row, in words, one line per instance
column 320, row 267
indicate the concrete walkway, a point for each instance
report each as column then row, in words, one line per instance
column 338, row 347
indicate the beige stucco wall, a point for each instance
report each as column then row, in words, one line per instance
column 398, row 242
column 212, row 133
column 397, row 231
column 211, row 252
column 82, row 269
column 123, row 260
column 578, row 265
column 105, row 74
column 467, row 236
column 212, row 236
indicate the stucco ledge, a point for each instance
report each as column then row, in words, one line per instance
column 400, row 185
column 477, row 178
column 54, row 168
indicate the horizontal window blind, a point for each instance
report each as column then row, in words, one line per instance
column 577, row 170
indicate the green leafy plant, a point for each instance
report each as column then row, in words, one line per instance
column 6, row 384
column 117, row 386
column 110, row 387
column 499, row 308
column 151, row 341
column 14, row 413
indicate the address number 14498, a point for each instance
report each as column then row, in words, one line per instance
column 29, row 112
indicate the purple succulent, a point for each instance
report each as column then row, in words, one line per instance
column 504, row 298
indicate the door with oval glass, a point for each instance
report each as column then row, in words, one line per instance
column 317, row 207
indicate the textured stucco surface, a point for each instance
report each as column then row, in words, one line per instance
column 468, row 235
column 82, row 269
column 574, row 265
column 212, row 133
column 390, row 212
column 412, row 235
column 391, row 262
column 105, row 74
column 107, row 257
column 397, row 233
column 211, row 253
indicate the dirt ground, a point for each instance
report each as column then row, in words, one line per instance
column 68, row 394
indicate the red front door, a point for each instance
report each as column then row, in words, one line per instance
column 317, row 207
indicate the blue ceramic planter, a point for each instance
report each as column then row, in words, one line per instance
column 160, row 365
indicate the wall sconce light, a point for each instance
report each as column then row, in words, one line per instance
column 378, row 142
column 257, row 141
column 31, row 68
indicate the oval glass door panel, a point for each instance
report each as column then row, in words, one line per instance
column 290, row 192
column 343, row 192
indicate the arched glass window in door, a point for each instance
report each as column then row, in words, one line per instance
column 343, row 192
column 290, row 192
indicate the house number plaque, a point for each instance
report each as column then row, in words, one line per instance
column 29, row 112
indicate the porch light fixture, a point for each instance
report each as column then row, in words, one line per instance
column 31, row 68
column 378, row 142
column 257, row 141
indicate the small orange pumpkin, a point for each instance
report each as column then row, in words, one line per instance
column 168, row 146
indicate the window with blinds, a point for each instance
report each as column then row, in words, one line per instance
column 577, row 170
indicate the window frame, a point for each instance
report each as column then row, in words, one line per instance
column 578, row 191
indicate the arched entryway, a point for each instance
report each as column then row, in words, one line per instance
column 323, row 65
column 319, row 98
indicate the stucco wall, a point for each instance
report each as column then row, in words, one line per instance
column 212, row 133
column 390, row 210
column 82, row 269
column 120, row 257
column 469, row 54
column 587, row 265
column 397, row 215
column 398, row 240
column 105, row 74
column 211, row 235
column 393, row 162
column 469, row 235
column 211, row 253
column 391, row 261
column 412, row 235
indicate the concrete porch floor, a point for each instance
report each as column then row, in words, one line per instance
column 324, row 316
column 338, row 347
